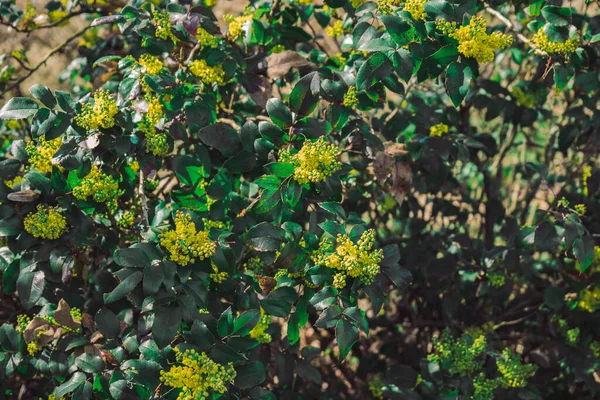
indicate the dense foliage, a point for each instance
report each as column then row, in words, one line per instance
column 387, row 199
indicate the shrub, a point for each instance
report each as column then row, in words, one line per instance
column 396, row 199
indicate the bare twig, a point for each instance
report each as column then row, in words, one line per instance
column 143, row 198
column 52, row 52
column 48, row 26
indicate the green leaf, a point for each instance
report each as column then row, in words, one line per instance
column 546, row 236
column 30, row 286
column 398, row 29
column 43, row 94
column 280, row 169
column 583, row 248
column 89, row 363
column 269, row 199
column 403, row 64
column 71, row 385
column 346, row 334
column 458, row 81
column 250, row 375
column 279, row 302
column 220, row 136
column 557, row 16
column 245, row 322
column 562, row 76
column 65, row 101
column 293, row 332
column 324, row 298
column 279, row 113
column 305, row 95
column 269, row 182
column 166, row 325
column 377, row 67
column 265, row 237
column 124, row 288
column 188, row 169
column 445, row 55
column 358, row 318
column 107, row 323
column 225, row 323
column 19, row 108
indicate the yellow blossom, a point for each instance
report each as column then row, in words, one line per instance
column 351, row 97
column 236, row 25
column 589, row 299
column 587, row 173
column 197, row 376
column 40, row 156
column 314, row 162
column 358, row 260
column 474, row 41
column 218, row 276
column 416, row 9
column 185, row 243
column 561, row 48
column 208, row 74
column 164, row 28
column 258, row 332
column 101, row 114
column 337, row 29
column 206, row 39
column 46, row 223
column 99, row 185
column 156, row 142
column 59, row 15
column 438, row 130
column 580, row 209
column 152, row 64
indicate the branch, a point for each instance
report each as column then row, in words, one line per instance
column 52, row 25
column 512, row 28
column 52, row 52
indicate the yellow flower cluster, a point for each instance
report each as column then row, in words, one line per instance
column 210, row 3
column 22, row 321
column 561, row 48
column 13, row 182
column 438, row 130
column 156, row 142
column 351, row 97
column 524, row 99
column 358, row 260
column 484, row 387
column 164, row 28
column 416, row 9
column 185, row 243
column 197, row 376
column 100, row 186
column 218, row 276
column 376, row 385
column 206, row 39
column 27, row 20
column 58, row 15
column 127, row 219
column 385, row 7
column 33, row 348
column 496, row 279
column 152, row 64
column 304, row 2
column 514, row 373
column 208, row 74
column 580, row 209
column 101, row 114
column 474, row 42
column 335, row 30
column 587, row 173
column 258, row 332
column 278, row 48
column 314, row 162
column 40, row 156
column 90, row 38
column 589, row 299
column 460, row 355
column 236, row 25
column 46, row 223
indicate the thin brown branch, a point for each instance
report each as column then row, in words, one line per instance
column 52, row 52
